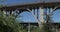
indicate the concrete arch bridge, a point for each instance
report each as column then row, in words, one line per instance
column 38, row 8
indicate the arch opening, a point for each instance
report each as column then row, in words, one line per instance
column 56, row 15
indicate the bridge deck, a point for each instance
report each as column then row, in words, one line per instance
column 29, row 3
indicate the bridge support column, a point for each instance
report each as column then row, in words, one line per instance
column 41, row 14
column 41, row 9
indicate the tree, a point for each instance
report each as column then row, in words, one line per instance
column 9, row 23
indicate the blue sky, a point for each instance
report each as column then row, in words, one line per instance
column 56, row 16
column 27, row 17
column 14, row 2
column 17, row 2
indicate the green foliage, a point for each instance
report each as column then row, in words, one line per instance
column 9, row 23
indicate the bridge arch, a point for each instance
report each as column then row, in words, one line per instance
column 56, row 14
column 28, row 10
column 22, row 10
column 57, row 7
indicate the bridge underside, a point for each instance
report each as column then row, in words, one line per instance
column 36, row 5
